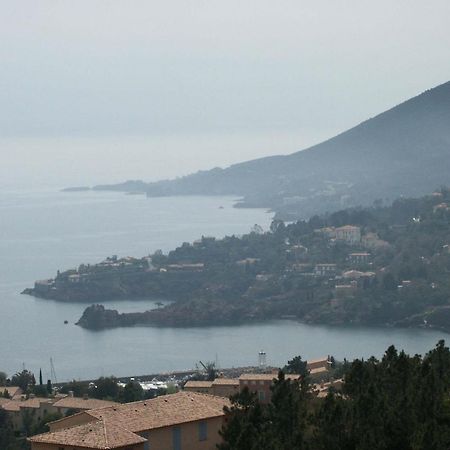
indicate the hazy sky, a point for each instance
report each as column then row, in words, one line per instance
column 97, row 91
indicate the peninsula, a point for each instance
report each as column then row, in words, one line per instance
column 401, row 152
column 383, row 265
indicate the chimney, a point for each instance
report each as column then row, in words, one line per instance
column 70, row 393
column 85, row 396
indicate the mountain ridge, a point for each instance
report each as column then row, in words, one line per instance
column 402, row 151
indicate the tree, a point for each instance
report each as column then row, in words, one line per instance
column 7, row 440
column 332, row 425
column 106, row 387
column 287, row 413
column 40, row 390
column 296, row 365
column 132, row 392
column 77, row 387
column 244, row 425
column 24, row 380
column 3, row 378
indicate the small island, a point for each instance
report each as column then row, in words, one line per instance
column 382, row 265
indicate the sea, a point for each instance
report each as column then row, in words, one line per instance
column 43, row 230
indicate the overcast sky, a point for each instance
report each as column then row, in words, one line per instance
column 96, row 91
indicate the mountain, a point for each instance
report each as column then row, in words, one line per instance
column 403, row 151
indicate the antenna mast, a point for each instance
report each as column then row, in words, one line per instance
column 53, row 372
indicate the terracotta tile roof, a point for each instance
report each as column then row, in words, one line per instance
column 323, row 360
column 12, row 390
column 318, row 370
column 226, row 381
column 82, row 403
column 163, row 411
column 96, row 435
column 58, row 424
column 198, row 384
column 16, row 404
column 12, row 406
column 266, row 376
column 33, row 402
column 3, row 401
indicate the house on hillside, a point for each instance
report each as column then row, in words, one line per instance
column 325, row 270
column 349, row 234
column 361, row 258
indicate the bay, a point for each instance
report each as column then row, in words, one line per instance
column 42, row 231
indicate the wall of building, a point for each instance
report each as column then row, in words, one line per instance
column 163, row 438
column 260, row 387
column 225, row 390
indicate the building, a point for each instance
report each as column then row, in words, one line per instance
column 320, row 363
column 349, row 234
column 322, row 389
column 260, row 383
column 363, row 279
column 11, row 391
column 181, row 421
column 225, row 387
column 325, row 270
column 194, row 267
column 361, row 258
column 247, row 262
column 221, row 387
column 26, row 411
column 71, row 404
column 202, row 387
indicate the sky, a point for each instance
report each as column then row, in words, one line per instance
column 98, row 91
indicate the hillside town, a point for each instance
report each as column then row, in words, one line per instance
column 375, row 265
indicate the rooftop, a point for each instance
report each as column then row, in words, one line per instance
column 116, row 426
column 226, row 381
column 318, row 360
column 82, row 403
column 98, row 434
column 266, row 376
column 12, row 390
column 163, row 411
column 198, row 384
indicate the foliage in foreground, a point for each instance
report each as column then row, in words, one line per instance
column 400, row 402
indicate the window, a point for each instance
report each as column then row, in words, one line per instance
column 203, row 430
column 261, row 396
column 176, row 438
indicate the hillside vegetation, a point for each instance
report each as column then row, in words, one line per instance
column 378, row 265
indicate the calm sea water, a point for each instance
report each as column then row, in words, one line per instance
column 42, row 231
